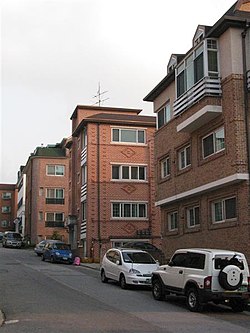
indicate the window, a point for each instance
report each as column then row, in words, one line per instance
column 5, row 224
column 172, row 221
column 84, row 210
column 165, row 167
column 40, row 216
column 214, row 142
column 55, row 170
column 164, row 115
column 128, row 172
column 184, row 157
column 54, row 220
column 84, row 137
column 129, row 210
column 6, row 209
column 193, row 218
column 224, row 209
column 84, row 174
column 54, row 196
column 194, row 68
column 128, row 135
column 6, row 195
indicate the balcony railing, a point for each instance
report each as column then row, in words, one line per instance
column 248, row 80
column 206, row 87
column 54, row 224
column 83, row 229
column 83, row 191
column 55, row 201
column 84, row 155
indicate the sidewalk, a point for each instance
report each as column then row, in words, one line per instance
column 95, row 266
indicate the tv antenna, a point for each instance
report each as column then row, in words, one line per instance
column 99, row 95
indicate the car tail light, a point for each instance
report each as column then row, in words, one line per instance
column 208, row 282
column 248, row 282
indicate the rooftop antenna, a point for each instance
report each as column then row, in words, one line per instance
column 98, row 95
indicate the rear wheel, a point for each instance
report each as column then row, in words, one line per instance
column 193, row 300
column 42, row 257
column 52, row 259
column 157, row 290
column 123, row 283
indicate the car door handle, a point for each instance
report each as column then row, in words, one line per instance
column 181, row 271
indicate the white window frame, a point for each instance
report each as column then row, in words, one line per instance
column 55, row 190
column 166, row 111
column 173, row 221
column 6, row 209
column 136, row 130
column 215, row 147
column 6, row 195
column 223, row 210
column 54, row 216
column 183, row 152
column 165, row 167
column 188, row 212
column 55, row 166
column 134, row 208
column 129, row 166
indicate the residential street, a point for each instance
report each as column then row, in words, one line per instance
column 38, row 296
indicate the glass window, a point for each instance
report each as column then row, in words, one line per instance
column 184, row 157
column 172, row 221
column 6, row 209
column 128, row 172
column 214, row 142
column 115, row 171
column 193, row 218
column 84, row 210
column 224, row 209
column 165, row 167
column 129, row 210
column 6, row 195
column 128, row 135
column 164, row 115
column 55, row 170
column 125, row 172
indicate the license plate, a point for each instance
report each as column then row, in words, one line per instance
column 64, row 258
column 243, row 288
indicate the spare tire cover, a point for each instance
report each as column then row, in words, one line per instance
column 230, row 277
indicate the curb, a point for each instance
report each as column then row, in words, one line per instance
column 2, row 318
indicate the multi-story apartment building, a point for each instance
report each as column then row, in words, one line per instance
column 7, row 207
column 112, row 179
column 202, row 142
column 46, row 198
column 21, row 197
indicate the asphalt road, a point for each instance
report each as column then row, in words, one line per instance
column 39, row 296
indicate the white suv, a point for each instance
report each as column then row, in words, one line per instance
column 204, row 275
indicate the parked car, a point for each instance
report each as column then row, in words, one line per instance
column 128, row 267
column 156, row 253
column 204, row 275
column 12, row 239
column 57, row 251
column 1, row 237
column 39, row 248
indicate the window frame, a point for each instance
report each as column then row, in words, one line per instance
column 129, row 208
column 188, row 216
column 120, row 132
column 215, row 145
column 186, row 162
column 165, row 162
column 163, row 115
column 223, row 210
column 172, row 224
column 121, row 168
column 55, row 166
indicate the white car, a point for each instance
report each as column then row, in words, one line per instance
column 128, row 267
column 204, row 275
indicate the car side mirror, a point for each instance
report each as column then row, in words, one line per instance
column 171, row 264
column 118, row 262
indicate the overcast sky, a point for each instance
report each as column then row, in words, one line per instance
column 54, row 53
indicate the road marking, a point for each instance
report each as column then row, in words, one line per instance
column 14, row 321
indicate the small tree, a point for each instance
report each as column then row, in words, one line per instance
column 56, row 235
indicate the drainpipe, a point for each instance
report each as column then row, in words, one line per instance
column 246, row 103
column 98, row 192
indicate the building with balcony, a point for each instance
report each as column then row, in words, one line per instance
column 112, row 187
column 46, row 175
column 8, row 198
column 21, row 198
column 202, row 145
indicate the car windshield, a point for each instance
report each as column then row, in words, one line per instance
column 14, row 235
column 60, row 246
column 138, row 257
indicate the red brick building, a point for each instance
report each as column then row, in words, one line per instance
column 46, row 195
column 202, row 146
column 8, row 198
column 112, row 179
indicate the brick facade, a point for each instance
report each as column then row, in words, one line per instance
column 8, row 198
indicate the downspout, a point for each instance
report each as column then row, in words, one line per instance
column 246, row 104
column 98, row 193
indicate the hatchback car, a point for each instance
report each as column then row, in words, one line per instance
column 57, row 251
column 12, row 239
column 156, row 253
column 128, row 267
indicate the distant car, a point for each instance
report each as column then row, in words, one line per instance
column 57, row 251
column 128, row 267
column 12, row 239
column 156, row 253
column 39, row 248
